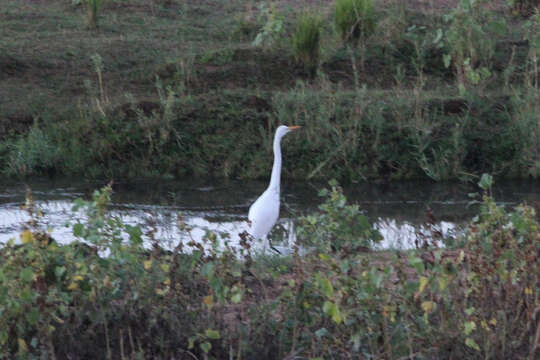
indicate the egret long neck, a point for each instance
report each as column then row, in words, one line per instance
column 276, row 169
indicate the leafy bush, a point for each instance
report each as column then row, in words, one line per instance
column 102, row 297
column 355, row 19
column 339, row 227
column 272, row 27
column 306, row 40
column 476, row 302
column 471, row 40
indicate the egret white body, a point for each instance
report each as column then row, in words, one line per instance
column 264, row 212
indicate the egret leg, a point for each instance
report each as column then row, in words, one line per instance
column 272, row 247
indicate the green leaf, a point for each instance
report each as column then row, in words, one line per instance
column 207, row 270
column 438, row 37
column 470, row 311
column 236, row 298
column 472, row 344
column 321, row 332
column 59, row 271
column 486, row 182
column 325, row 285
column 470, row 326
column 205, row 346
column 32, row 316
column 417, row 263
column 332, row 310
column 78, row 230
column 447, row 59
column 27, row 274
column 191, row 342
column 212, row 334
column 135, row 234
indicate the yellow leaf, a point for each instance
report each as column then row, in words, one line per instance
column 147, row 264
column 73, row 286
column 167, row 282
column 165, row 267
column 443, row 282
column 484, row 325
column 461, row 257
column 27, row 236
column 423, row 283
column 528, row 291
column 428, row 306
column 493, row 321
column 107, row 282
column 162, row 292
column 471, row 343
column 78, row 278
column 208, row 300
column 55, row 317
column 23, row 348
column 389, row 310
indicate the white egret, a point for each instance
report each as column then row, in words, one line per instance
column 264, row 212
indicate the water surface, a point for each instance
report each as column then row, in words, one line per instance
column 401, row 211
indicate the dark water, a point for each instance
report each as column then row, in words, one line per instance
column 399, row 210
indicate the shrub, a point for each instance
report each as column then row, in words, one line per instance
column 270, row 33
column 338, row 227
column 97, row 297
column 355, row 19
column 470, row 40
column 33, row 152
column 306, row 40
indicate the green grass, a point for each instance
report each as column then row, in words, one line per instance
column 306, row 40
column 355, row 19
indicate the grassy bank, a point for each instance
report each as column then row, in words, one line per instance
column 167, row 89
column 476, row 300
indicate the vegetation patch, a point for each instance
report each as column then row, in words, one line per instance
column 116, row 293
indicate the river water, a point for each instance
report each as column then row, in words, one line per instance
column 399, row 210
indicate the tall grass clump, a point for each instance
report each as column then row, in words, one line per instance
column 355, row 20
column 93, row 8
column 306, row 40
column 34, row 152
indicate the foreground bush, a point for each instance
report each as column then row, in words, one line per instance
column 109, row 297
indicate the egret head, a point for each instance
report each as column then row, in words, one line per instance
column 284, row 129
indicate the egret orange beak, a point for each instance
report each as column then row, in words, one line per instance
column 296, row 127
